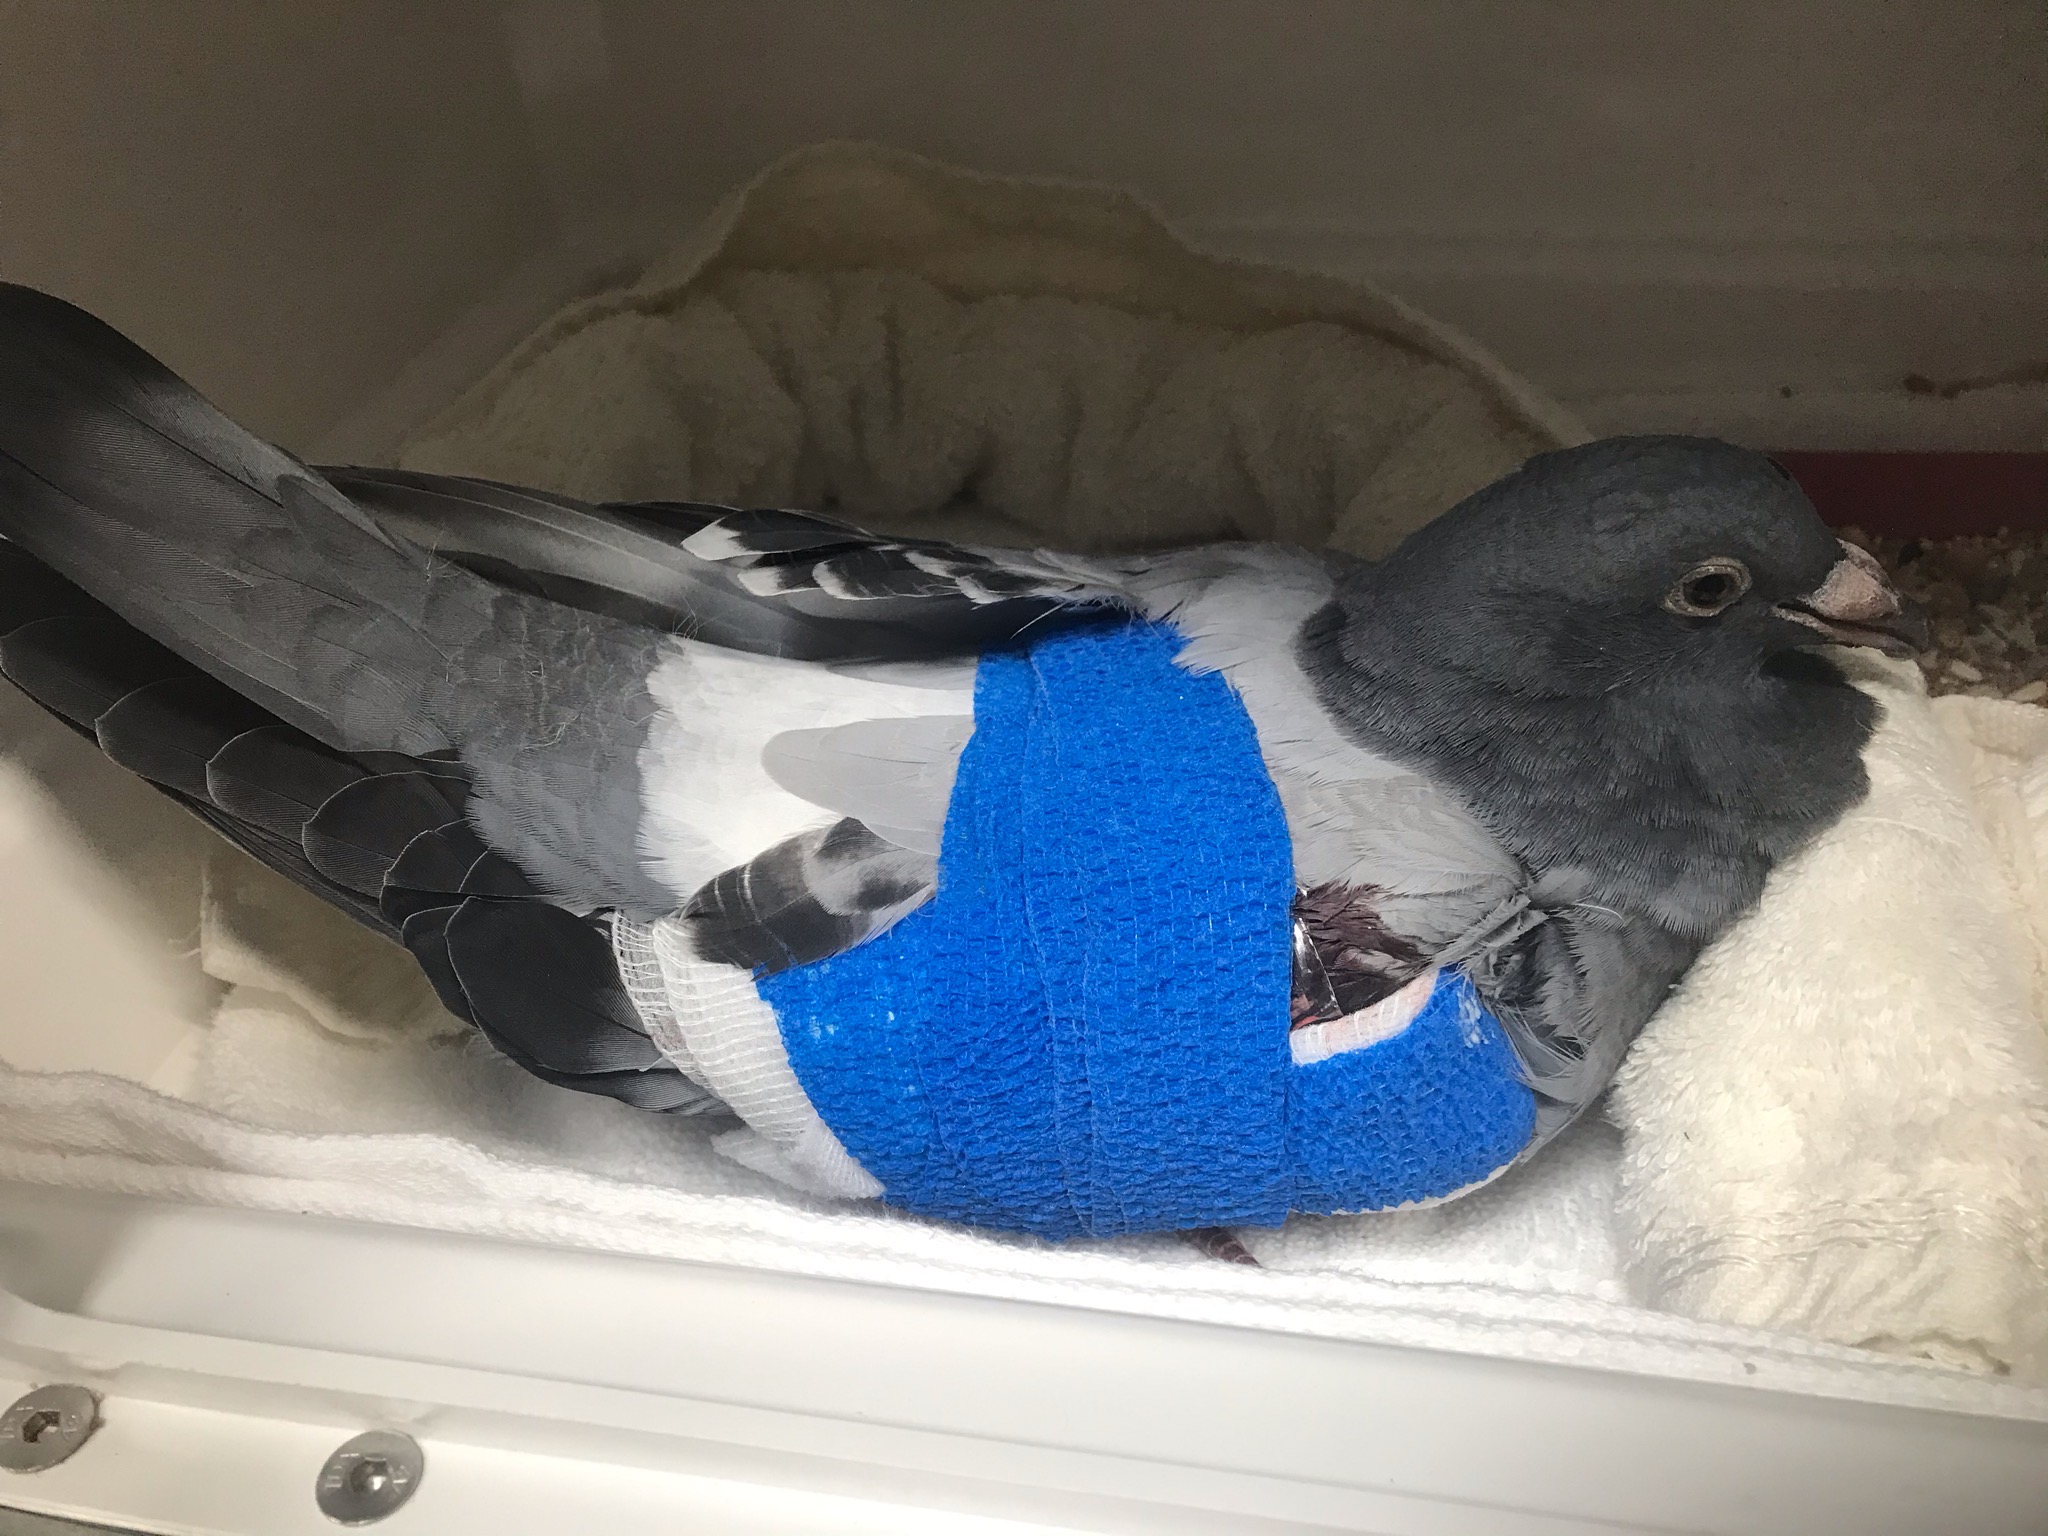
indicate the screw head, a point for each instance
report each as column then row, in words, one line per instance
column 369, row 1477
column 43, row 1427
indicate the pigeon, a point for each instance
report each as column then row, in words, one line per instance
column 615, row 773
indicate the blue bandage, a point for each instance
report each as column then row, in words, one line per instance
column 1086, row 1030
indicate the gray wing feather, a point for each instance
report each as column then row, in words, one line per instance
column 1572, row 988
column 814, row 895
column 118, row 475
column 772, row 582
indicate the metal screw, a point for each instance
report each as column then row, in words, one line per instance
column 45, row 1426
column 369, row 1477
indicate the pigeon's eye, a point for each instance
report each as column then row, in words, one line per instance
column 1708, row 588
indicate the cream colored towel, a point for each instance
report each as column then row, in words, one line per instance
column 925, row 350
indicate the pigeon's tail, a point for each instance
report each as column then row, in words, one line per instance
column 220, row 547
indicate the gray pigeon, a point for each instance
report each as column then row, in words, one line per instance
column 1557, row 739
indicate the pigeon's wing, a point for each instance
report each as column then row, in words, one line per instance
column 637, row 709
column 869, row 728
column 1571, row 984
column 811, row 896
column 793, row 584
column 383, row 837
column 885, row 759
column 422, row 743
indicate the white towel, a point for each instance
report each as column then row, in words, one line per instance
column 1839, row 1123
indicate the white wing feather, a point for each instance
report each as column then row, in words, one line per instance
column 709, row 800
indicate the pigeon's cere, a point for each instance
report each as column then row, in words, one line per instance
column 1857, row 605
column 1072, row 895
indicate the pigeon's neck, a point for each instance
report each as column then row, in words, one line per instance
column 1670, row 804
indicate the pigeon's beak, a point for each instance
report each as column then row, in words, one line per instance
column 1858, row 605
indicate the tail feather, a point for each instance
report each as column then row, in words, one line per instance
column 273, row 658
column 380, row 837
column 220, row 547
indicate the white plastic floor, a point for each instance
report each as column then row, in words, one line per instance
column 557, row 1390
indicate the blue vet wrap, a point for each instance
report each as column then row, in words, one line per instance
column 1085, row 1032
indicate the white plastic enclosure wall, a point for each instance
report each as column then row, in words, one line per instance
column 560, row 1390
column 1752, row 217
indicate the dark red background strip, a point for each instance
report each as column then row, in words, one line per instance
column 1926, row 495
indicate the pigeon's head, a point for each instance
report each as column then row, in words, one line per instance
column 1633, row 563
column 1616, row 655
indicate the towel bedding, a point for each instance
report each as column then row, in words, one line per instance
column 1834, row 1135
